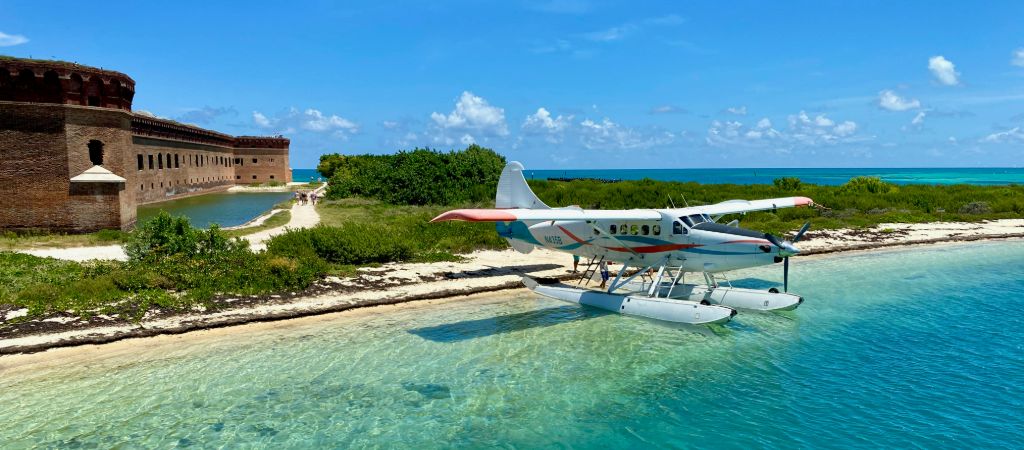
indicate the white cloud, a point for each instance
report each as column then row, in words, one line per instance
column 737, row 110
column 1018, row 57
column 890, row 100
column 667, row 109
column 260, row 120
column 610, row 135
column 918, row 120
column 466, row 139
column 610, row 34
column 541, row 123
column 473, row 113
column 9, row 40
column 802, row 131
column 1012, row 136
column 944, row 70
column 310, row 120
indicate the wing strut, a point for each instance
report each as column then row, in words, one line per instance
column 613, row 238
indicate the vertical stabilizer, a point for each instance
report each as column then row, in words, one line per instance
column 513, row 192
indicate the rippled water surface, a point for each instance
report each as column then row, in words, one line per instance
column 898, row 349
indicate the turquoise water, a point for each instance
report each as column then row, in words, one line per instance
column 225, row 209
column 829, row 176
column 920, row 348
column 305, row 175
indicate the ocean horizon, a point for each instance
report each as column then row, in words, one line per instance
column 824, row 176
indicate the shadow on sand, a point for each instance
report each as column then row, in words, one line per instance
column 472, row 329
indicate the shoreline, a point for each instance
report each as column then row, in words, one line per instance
column 391, row 284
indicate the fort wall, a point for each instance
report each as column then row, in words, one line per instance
column 59, row 120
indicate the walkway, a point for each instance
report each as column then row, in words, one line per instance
column 303, row 216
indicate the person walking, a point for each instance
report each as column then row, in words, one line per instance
column 575, row 263
column 604, row 273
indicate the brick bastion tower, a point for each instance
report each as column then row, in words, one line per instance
column 75, row 158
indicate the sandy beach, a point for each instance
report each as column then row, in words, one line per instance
column 393, row 284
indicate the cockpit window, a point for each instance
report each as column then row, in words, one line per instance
column 707, row 218
column 698, row 218
column 687, row 221
column 677, row 228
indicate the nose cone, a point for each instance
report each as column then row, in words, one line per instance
column 788, row 249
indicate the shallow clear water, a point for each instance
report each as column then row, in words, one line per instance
column 824, row 176
column 920, row 348
column 224, row 209
column 304, row 175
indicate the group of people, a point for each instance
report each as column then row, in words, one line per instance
column 302, row 197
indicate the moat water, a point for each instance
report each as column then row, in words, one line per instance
column 898, row 349
column 224, row 209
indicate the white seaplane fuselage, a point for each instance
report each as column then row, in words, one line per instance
column 670, row 240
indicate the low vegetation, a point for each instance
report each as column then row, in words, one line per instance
column 22, row 239
column 417, row 177
column 171, row 266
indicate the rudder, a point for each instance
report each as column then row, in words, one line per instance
column 513, row 192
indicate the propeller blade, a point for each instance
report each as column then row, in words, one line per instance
column 785, row 275
column 774, row 240
column 800, row 233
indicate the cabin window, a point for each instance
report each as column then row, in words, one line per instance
column 645, row 230
column 139, row 159
column 634, row 230
column 677, row 228
column 623, row 229
column 612, row 229
column 656, row 230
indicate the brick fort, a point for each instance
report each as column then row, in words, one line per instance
column 75, row 158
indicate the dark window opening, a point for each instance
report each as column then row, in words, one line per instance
column 254, row 177
column 176, row 161
column 611, row 229
column 271, row 177
column 254, row 160
column 677, row 228
column 645, row 230
column 141, row 163
column 96, row 152
column 238, row 177
column 656, row 230
column 150, row 162
column 159, row 161
column 168, row 156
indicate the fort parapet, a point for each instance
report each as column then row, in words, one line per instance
column 75, row 158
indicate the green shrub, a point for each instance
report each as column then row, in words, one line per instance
column 871, row 185
column 976, row 208
column 352, row 243
column 417, row 177
column 787, row 183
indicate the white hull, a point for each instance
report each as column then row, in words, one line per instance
column 740, row 298
column 668, row 310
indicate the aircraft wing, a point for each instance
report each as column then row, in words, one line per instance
column 513, row 214
column 745, row 206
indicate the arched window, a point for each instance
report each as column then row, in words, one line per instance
column 75, row 89
column 25, row 86
column 656, row 230
column 94, row 92
column 6, row 85
column 634, row 230
column 52, row 90
column 96, row 152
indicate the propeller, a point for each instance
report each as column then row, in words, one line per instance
column 786, row 249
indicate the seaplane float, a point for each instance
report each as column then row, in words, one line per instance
column 656, row 248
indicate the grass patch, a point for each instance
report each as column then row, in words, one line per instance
column 16, row 240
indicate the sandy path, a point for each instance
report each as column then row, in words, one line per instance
column 303, row 216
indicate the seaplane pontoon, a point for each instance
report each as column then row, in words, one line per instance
column 655, row 247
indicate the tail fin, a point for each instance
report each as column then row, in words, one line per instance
column 513, row 192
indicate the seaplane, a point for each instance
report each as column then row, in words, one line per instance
column 660, row 245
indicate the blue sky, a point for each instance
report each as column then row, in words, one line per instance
column 571, row 83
